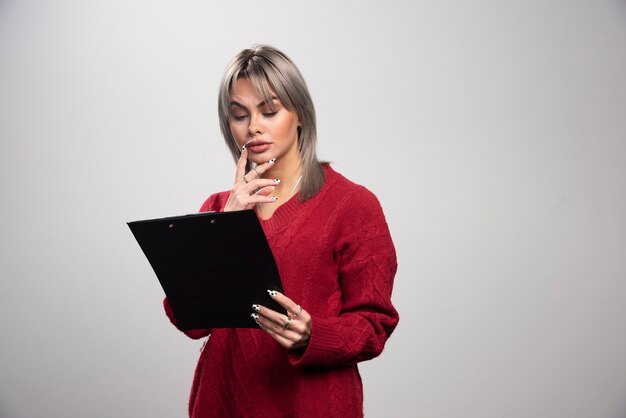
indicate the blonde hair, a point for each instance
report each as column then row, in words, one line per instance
column 267, row 68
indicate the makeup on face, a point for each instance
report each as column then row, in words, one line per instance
column 266, row 129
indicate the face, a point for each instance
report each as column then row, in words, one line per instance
column 268, row 131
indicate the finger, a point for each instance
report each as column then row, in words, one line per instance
column 247, row 201
column 262, row 168
column 284, row 301
column 285, row 342
column 297, row 329
column 241, row 166
column 246, row 195
column 258, row 191
column 265, row 191
column 290, row 334
column 256, row 172
column 252, row 186
column 282, row 340
column 254, row 199
column 278, row 320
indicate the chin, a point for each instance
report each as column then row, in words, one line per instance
column 259, row 158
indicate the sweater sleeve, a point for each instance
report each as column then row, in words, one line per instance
column 367, row 266
column 213, row 203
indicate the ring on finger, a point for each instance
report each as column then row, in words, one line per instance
column 298, row 312
column 287, row 323
column 245, row 179
column 256, row 171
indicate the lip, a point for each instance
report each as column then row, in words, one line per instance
column 258, row 146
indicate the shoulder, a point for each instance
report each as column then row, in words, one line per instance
column 215, row 202
column 359, row 224
column 354, row 211
column 348, row 195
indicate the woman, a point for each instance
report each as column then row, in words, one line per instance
column 332, row 248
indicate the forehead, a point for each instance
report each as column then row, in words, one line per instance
column 245, row 92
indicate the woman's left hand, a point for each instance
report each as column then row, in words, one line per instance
column 292, row 331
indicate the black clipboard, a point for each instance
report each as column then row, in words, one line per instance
column 212, row 266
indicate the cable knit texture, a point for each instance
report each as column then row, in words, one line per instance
column 336, row 259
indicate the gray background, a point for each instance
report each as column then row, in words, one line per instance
column 493, row 132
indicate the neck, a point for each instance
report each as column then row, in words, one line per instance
column 288, row 174
column 287, row 169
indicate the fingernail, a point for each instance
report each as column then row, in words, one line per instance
column 244, row 147
column 274, row 198
column 276, row 181
column 271, row 161
column 256, row 308
column 254, row 316
column 272, row 293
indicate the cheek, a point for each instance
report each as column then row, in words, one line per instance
column 288, row 127
column 237, row 131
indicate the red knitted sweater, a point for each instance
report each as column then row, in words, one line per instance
column 336, row 259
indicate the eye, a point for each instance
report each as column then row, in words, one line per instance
column 269, row 114
column 239, row 117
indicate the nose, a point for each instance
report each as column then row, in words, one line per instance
column 255, row 126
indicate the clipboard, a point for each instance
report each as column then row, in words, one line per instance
column 212, row 266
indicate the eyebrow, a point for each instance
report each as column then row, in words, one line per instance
column 263, row 103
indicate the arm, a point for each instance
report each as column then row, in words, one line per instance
column 367, row 266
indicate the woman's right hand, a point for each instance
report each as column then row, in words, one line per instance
column 250, row 189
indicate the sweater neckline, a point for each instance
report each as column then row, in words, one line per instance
column 288, row 210
column 284, row 211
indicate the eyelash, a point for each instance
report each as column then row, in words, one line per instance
column 267, row 115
